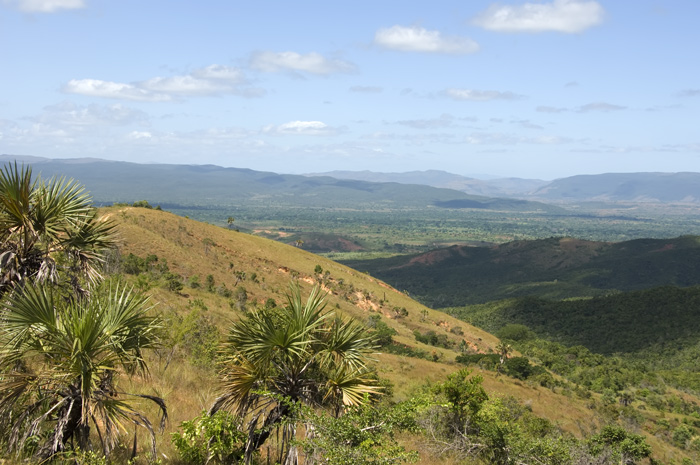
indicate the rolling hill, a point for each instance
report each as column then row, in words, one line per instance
column 264, row 268
column 248, row 271
column 555, row 268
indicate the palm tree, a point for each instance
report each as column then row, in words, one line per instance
column 47, row 227
column 277, row 360
column 504, row 350
column 60, row 360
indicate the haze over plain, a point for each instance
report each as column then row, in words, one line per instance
column 525, row 89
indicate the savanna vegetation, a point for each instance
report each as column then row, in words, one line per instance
column 364, row 231
column 121, row 323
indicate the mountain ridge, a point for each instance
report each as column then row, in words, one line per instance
column 681, row 187
column 209, row 185
column 640, row 187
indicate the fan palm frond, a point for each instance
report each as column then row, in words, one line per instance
column 280, row 358
column 60, row 359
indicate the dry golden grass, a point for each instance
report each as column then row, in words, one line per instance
column 193, row 248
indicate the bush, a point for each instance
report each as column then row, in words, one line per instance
column 142, row 204
column 211, row 439
column 433, row 339
column 173, row 282
column 681, row 436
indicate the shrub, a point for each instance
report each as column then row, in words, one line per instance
column 211, row 439
column 194, row 282
column 173, row 282
column 142, row 204
column 681, row 436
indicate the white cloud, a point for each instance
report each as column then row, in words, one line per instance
column 568, row 16
column 220, row 73
column 70, row 128
column 68, row 114
column 108, row 89
column 480, row 95
column 418, row 39
column 44, row 6
column 139, row 135
column 308, row 128
column 313, row 63
column 210, row 81
column 182, row 85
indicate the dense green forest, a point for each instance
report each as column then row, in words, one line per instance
column 554, row 268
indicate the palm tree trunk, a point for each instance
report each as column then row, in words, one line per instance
column 68, row 426
column 257, row 437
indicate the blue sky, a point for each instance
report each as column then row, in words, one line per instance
column 538, row 89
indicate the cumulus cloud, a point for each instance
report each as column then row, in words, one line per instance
column 307, row 128
column 480, row 95
column 418, row 39
column 44, row 6
column 209, row 81
column 108, row 89
column 600, row 106
column 567, row 16
column 313, row 63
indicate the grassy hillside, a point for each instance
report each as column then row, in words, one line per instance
column 168, row 249
column 555, row 268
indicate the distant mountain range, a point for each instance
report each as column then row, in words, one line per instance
column 505, row 187
column 110, row 181
column 611, row 187
column 624, row 187
column 209, row 186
